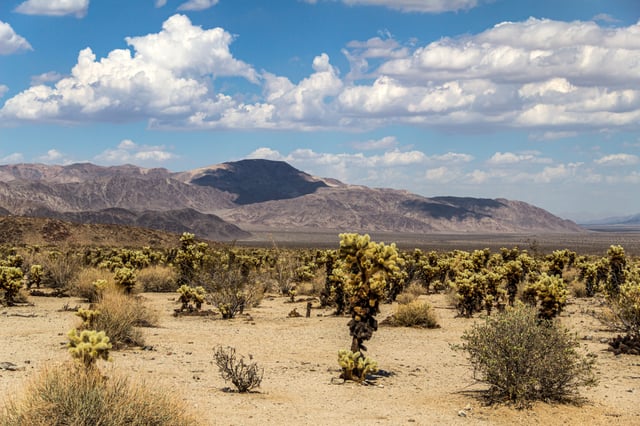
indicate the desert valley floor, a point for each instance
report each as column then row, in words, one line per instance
column 428, row 382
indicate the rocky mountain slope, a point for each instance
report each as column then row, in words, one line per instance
column 216, row 202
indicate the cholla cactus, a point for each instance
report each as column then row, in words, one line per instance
column 35, row 276
column 88, row 346
column 191, row 298
column 355, row 366
column 88, row 317
column 125, row 278
column 550, row 292
column 10, row 282
column 365, row 269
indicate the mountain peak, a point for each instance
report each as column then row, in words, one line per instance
column 258, row 180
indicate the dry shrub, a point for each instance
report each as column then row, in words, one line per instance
column 415, row 288
column 405, row 298
column 120, row 316
column 415, row 314
column 60, row 269
column 157, row 278
column 523, row 358
column 69, row 394
column 83, row 284
column 578, row 289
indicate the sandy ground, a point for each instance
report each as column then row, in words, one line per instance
column 429, row 383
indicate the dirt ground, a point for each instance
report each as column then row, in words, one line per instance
column 428, row 382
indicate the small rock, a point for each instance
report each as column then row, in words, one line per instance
column 604, row 340
column 462, row 413
column 588, row 337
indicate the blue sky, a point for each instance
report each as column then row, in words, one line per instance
column 535, row 100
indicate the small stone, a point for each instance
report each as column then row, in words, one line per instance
column 604, row 340
column 462, row 413
column 588, row 337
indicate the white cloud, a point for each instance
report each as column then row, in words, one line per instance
column 53, row 156
column 10, row 42
column 510, row 158
column 14, row 158
column 3, row 89
column 197, row 4
column 618, row 160
column 452, row 158
column 441, row 175
column 422, row 6
column 370, row 145
column 166, row 78
column 128, row 151
column 78, row 8
column 160, row 3
column 47, row 77
column 553, row 78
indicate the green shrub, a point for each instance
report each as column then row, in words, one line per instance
column 524, row 359
column 414, row 314
column 72, row 395
column 244, row 376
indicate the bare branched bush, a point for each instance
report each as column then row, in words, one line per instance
column 243, row 376
column 523, row 358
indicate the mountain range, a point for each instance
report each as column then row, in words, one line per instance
column 226, row 201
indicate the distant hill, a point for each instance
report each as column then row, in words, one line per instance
column 619, row 220
column 16, row 230
column 217, row 201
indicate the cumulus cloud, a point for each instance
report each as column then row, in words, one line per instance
column 128, row 151
column 197, row 4
column 166, row 78
column 552, row 78
column 53, row 156
column 3, row 90
column 78, row 8
column 10, row 42
column 14, row 158
column 160, row 3
column 618, row 160
column 47, row 77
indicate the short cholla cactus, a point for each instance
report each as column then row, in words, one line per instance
column 35, row 276
column 126, row 279
column 88, row 346
column 10, row 282
column 88, row 317
column 354, row 366
column 191, row 298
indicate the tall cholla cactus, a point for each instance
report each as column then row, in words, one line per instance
column 88, row 346
column 365, row 269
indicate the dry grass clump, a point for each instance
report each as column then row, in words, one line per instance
column 157, row 278
column 69, row 394
column 405, row 298
column 414, row 314
column 83, row 285
column 525, row 359
column 120, row 316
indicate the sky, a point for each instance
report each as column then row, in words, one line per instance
column 532, row 100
